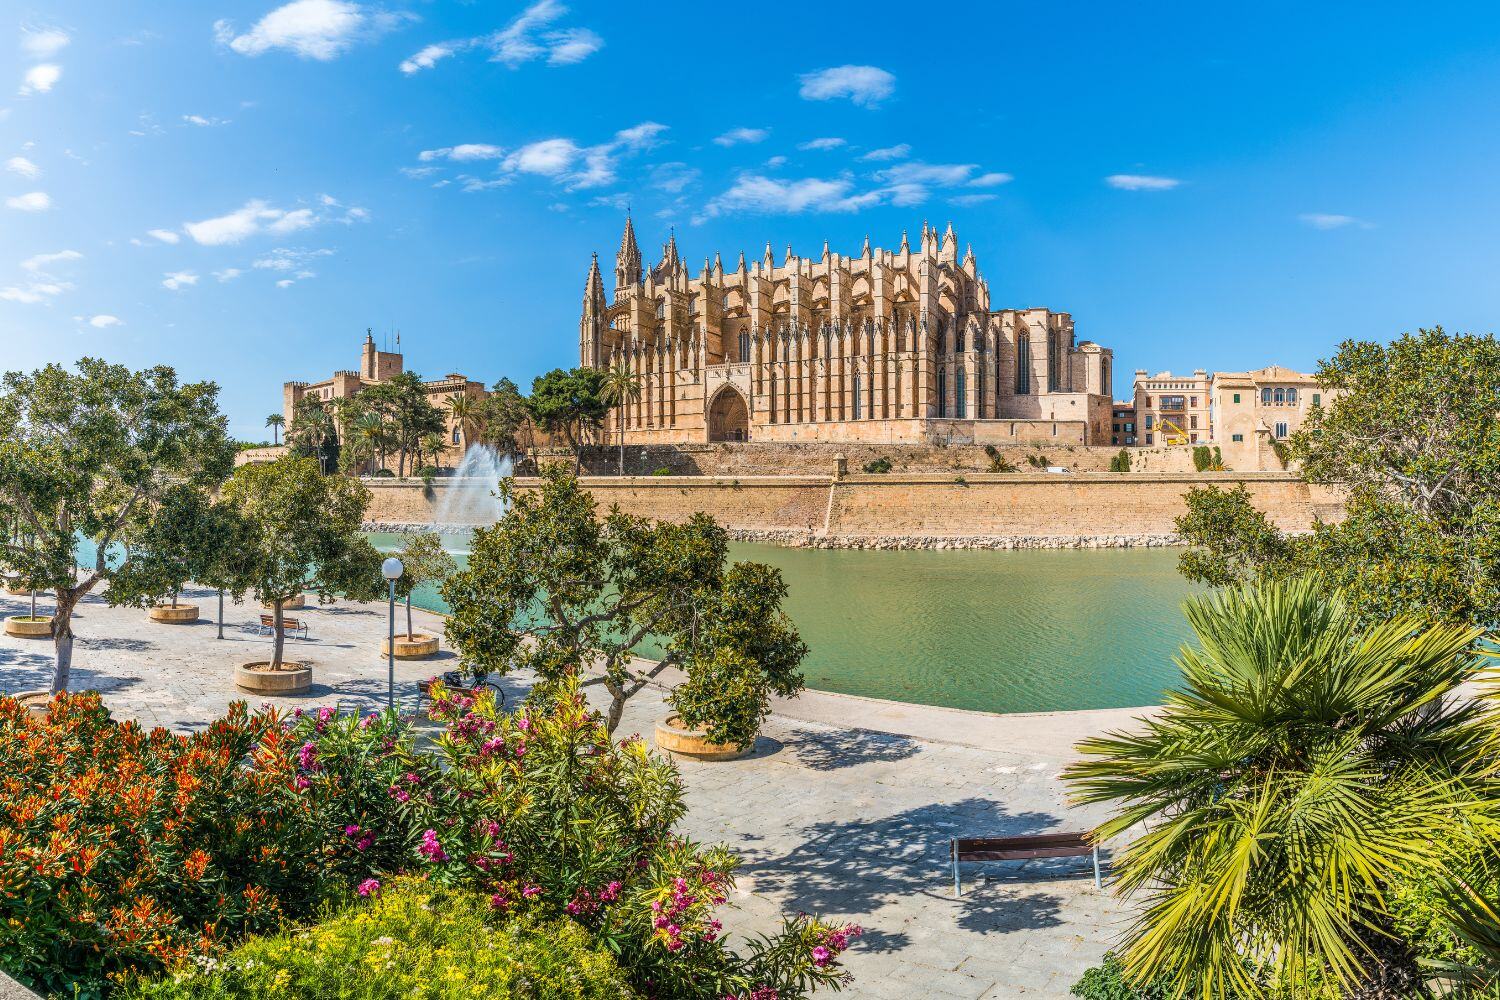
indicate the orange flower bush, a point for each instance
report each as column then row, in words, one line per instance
column 127, row 849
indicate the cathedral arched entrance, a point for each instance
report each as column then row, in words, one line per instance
column 728, row 417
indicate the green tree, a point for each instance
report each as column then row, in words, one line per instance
column 619, row 387
column 314, row 433
column 554, row 588
column 275, row 421
column 1305, row 766
column 1411, row 434
column 304, row 532
column 1121, row 462
column 423, row 561
column 409, row 415
column 507, row 420
column 178, row 545
column 1231, row 541
column 469, row 413
column 98, row 455
column 569, row 403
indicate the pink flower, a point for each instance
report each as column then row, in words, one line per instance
column 368, row 721
column 365, row 843
column 307, row 757
column 431, row 848
column 820, row 956
column 523, row 724
column 325, row 713
column 351, row 829
column 302, row 782
column 531, row 890
column 369, row 887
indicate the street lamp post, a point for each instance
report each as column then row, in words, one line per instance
column 391, row 569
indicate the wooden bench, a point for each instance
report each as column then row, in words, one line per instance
column 1043, row 845
column 289, row 626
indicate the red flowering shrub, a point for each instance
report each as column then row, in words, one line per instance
column 127, row 849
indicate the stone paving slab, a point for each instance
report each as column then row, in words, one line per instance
column 847, row 823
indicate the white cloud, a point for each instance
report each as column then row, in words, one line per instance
column 104, row 321
column 641, row 136
column 521, row 41
column 24, row 167
column 257, row 216
column 43, row 43
column 32, row 201
column 549, row 157
column 776, row 162
column 991, row 180
column 572, row 45
column 177, row 280
column 866, row 86
column 286, row 282
column 968, row 200
column 417, row 172
column 736, row 136
column 756, row 193
column 164, row 235
column 830, row 142
column 228, row 274
column 428, row 57
column 1141, row 182
column 40, row 79
column 290, row 259
column 888, row 153
column 313, row 29
column 1324, row 220
column 39, row 263
column 205, row 122
column 917, row 172
column 463, row 153
column 673, row 177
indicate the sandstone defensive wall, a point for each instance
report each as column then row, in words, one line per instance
column 975, row 510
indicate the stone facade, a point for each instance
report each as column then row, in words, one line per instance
column 376, row 366
column 1172, row 409
column 889, row 346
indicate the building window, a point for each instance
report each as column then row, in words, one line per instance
column 1148, row 421
column 455, row 434
column 1023, row 364
column 771, row 390
column 942, row 392
column 1193, row 438
column 960, row 405
column 1280, row 396
column 1291, row 397
column 1281, row 430
column 744, row 347
column 1317, row 399
column 1194, row 403
column 1236, row 397
column 1148, row 401
column 958, row 338
column 1173, row 402
column 856, row 396
column 1236, row 437
column 1148, row 436
column 1193, row 422
column 1265, row 397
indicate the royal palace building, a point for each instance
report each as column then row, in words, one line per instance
column 887, row 346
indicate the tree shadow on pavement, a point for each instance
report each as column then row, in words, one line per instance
column 832, row 749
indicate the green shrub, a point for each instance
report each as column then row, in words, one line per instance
column 663, row 471
column 1121, row 462
column 878, row 466
column 383, row 474
column 998, row 462
column 1107, row 981
column 416, row 939
column 1202, row 457
column 1038, row 461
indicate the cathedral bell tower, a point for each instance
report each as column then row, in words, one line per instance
column 628, row 260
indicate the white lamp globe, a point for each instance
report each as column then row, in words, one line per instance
column 392, row 569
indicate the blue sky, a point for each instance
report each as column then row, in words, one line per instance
column 241, row 188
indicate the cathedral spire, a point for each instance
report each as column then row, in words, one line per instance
column 906, row 246
column 864, row 251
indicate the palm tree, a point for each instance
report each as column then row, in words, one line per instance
column 371, row 427
column 620, row 386
column 275, row 421
column 1303, row 769
column 468, row 411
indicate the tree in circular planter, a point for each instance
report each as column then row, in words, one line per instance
column 98, row 455
column 302, row 532
column 423, row 561
column 553, row 587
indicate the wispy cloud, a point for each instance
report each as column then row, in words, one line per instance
column 175, row 281
column 43, row 43
column 528, row 38
column 291, row 259
column 103, row 321
column 991, row 180
column 228, row 274
column 1325, row 220
column 1141, row 182
column 673, row 177
column 312, row 29
column 258, row 216
column 463, row 153
column 770, row 195
column 40, row 79
column 896, row 152
column 866, row 86
column 560, row 159
column 828, row 142
column 32, row 201
column 736, row 136
column 204, row 121
column 970, row 200
column 164, row 235
column 21, row 165
column 41, row 281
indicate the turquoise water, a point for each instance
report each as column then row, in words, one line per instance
column 1024, row 631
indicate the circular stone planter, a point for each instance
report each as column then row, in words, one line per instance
column 35, row 702
column 672, row 735
column 27, row 627
column 259, row 678
column 295, row 604
column 174, row 614
column 418, row 646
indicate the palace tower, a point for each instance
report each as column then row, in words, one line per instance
column 888, row 346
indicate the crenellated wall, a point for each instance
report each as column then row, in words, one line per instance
column 1041, row 509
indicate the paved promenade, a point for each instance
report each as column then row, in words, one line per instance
column 845, row 822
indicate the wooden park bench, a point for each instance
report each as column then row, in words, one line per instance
column 289, row 626
column 1042, row 845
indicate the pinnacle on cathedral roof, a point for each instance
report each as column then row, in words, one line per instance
column 627, row 241
column 906, row 246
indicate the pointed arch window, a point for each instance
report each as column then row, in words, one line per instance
column 942, row 388
column 958, row 339
column 744, row 347
column 960, row 405
column 1023, row 364
column 856, row 396
column 771, row 391
column 661, row 308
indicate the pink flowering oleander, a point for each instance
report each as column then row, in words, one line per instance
column 400, row 794
column 531, row 890
column 430, row 847
column 307, row 757
column 369, row 887
column 302, row 783
column 821, row 956
column 351, row 830
column 368, row 721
